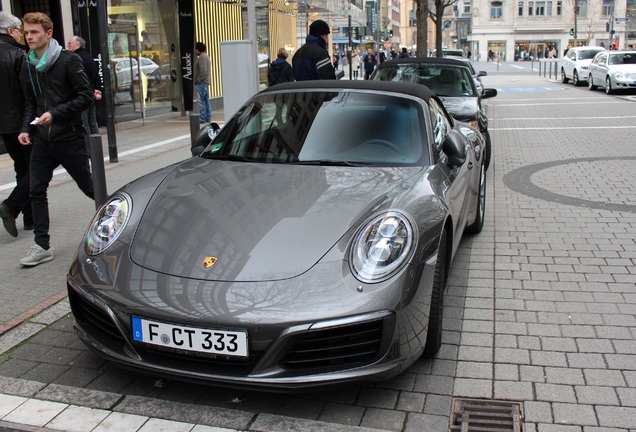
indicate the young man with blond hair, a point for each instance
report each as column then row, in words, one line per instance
column 57, row 90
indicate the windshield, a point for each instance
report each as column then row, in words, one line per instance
column 443, row 80
column 622, row 58
column 333, row 128
column 587, row 54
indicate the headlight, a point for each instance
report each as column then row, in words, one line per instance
column 107, row 224
column 619, row 75
column 382, row 247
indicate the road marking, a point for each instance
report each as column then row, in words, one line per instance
column 613, row 102
column 563, row 128
column 122, row 154
column 565, row 118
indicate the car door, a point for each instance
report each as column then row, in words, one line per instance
column 455, row 187
column 568, row 63
column 597, row 67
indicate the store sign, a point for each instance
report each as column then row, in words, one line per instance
column 186, row 44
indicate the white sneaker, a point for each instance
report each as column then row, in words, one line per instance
column 37, row 255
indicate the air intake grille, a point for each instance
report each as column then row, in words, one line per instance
column 471, row 415
column 87, row 313
column 352, row 345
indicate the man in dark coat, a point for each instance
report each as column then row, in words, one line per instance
column 12, row 63
column 57, row 90
column 312, row 60
column 370, row 63
column 78, row 45
column 279, row 70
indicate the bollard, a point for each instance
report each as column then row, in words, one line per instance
column 99, row 173
column 194, row 128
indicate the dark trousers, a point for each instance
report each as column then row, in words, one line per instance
column 45, row 157
column 18, row 201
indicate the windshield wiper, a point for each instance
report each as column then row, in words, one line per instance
column 231, row 157
column 332, row 162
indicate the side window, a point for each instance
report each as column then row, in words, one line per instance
column 439, row 124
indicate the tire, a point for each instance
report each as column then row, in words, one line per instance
column 435, row 318
column 488, row 150
column 478, row 224
column 608, row 86
column 564, row 79
column 590, row 83
column 575, row 79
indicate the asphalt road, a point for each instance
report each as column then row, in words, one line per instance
column 540, row 310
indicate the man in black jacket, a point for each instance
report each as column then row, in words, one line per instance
column 12, row 62
column 78, row 46
column 312, row 61
column 56, row 91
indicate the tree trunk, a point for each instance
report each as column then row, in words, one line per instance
column 421, row 16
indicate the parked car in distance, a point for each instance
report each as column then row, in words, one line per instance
column 576, row 62
column 296, row 252
column 450, row 53
column 613, row 70
column 451, row 80
column 126, row 67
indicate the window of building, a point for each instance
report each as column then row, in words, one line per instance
column 582, row 8
column 559, row 8
column 540, row 10
column 608, row 7
column 496, row 10
column 467, row 7
column 520, row 8
column 549, row 12
column 530, row 8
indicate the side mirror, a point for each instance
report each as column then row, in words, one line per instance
column 204, row 137
column 453, row 147
column 482, row 73
column 488, row 93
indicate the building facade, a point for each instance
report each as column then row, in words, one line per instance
column 533, row 29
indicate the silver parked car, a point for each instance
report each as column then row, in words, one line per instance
column 576, row 62
column 308, row 245
column 613, row 70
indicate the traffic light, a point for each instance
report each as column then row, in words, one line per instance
column 572, row 31
column 390, row 32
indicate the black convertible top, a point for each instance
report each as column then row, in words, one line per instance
column 425, row 60
column 410, row 89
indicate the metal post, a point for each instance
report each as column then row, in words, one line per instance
column 99, row 173
column 350, row 50
column 194, row 128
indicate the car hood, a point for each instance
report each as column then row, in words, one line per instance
column 227, row 221
column 462, row 108
column 624, row 68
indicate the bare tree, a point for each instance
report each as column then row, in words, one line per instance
column 437, row 17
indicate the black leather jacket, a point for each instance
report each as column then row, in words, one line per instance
column 64, row 91
column 12, row 62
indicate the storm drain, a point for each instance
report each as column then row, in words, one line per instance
column 477, row 415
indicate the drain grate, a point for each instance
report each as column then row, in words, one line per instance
column 477, row 415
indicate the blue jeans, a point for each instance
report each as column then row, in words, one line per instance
column 205, row 112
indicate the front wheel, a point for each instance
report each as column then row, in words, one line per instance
column 564, row 78
column 480, row 214
column 488, row 150
column 608, row 86
column 434, row 335
column 590, row 82
column 575, row 79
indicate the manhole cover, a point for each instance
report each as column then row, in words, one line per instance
column 476, row 415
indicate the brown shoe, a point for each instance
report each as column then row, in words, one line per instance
column 8, row 220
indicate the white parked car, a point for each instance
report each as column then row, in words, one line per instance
column 575, row 63
column 126, row 67
column 614, row 70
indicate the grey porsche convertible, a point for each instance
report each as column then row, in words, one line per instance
column 308, row 245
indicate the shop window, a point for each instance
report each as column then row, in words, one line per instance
column 520, row 8
column 496, row 10
column 608, row 8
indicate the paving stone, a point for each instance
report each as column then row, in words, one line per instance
column 378, row 398
column 537, row 411
column 601, row 377
column 620, row 417
column 473, row 388
column 343, row 414
column 411, row 402
column 554, row 393
column 425, row 422
column 564, row 376
column 389, row 420
column 512, row 390
column 596, row 395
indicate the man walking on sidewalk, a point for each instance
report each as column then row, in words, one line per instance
column 12, row 63
column 202, row 81
column 57, row 90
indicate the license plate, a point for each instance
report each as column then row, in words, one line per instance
column 209, row 341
